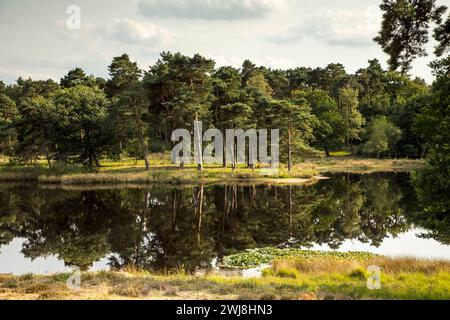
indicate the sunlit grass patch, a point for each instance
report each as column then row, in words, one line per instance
column 365, row 165
column 162, row 171
column 339, row 153
column 255, row 257
column 281, row 272
column 357, row 262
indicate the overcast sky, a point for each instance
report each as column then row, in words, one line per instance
column 36, row 41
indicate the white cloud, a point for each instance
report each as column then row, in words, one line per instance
column 210, row 9
column 339, row 27
column 128, row 30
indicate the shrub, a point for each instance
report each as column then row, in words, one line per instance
column 358, row 273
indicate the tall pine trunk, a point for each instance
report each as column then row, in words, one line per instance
column 289, row 149
column 224, row 155
column 198, row 137
column 143, row 141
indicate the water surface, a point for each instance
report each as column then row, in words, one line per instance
column 46, row 229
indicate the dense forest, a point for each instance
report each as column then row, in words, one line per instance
column 83, row 118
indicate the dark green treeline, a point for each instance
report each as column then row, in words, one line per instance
column 83, row 119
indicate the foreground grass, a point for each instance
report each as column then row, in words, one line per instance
column 401, row 278
column 305, row 277
column 162, row 172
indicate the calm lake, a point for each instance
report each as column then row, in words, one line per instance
column 45, row 229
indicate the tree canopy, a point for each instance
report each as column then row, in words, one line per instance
column 133, row 112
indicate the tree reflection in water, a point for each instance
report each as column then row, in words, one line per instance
column 167, row 227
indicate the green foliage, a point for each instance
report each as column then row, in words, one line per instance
column 128, row 110
column 79, row 117
column 348, row 108
column 76, row 77
column 441, row 67
column 66, row 126
column 442, row 36
column 404, row 29
column 123, row 73
column 179, row 88
column 259, row 84
column 226, row 87
column 130, row 115
column 35, row 128
column 401, row 87
column 404, row 116
column 328, row 125
column 432, row 187
column 381, row 137
column 373, row 82
column 278, row 82
column 295, row 121
column 433, row 182
column 8, row 117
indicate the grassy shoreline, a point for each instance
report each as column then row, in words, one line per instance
column 305, row 172
column 306, row 275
